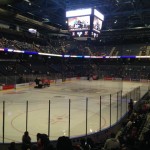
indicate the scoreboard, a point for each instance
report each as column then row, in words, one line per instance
column 84, row 23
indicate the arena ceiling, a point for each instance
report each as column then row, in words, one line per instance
column 119, row 14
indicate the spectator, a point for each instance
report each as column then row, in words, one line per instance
column 39, row 136
column 38, row 145
column 90, row 142
column 83, row 143
column 44, row 142
column 129, row 124
column 112, row 143
column 64, row 143
column 12, row 146
column 147, row 139
column 130, row 107
column 34, row 147
column 26, row 141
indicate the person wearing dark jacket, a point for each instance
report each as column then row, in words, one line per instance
column 26, row 141
column 12, row 146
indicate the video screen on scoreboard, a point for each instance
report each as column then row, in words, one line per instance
column 79, row 23
column 97, row 24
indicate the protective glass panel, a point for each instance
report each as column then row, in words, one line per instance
column 114, row 108
column 78, row 117
column 15, row 118
column 1, row 121
column 59, row 120
column 37, row 118
column 93, row 115
column 105, row 111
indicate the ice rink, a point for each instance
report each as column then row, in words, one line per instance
column 79, row 92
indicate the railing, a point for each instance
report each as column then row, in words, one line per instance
column 63, row 116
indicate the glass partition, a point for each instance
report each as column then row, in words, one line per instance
column 78, row 117
column 114, row 108
column 15, row 120
column 119, row 108
column 93, row 115
column 143, row 89
column 59, row 117
column 1, row 121
column 37, row 118
column 105, row 111
column 124, row 104
column 63, row 114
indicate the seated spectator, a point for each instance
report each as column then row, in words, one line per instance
column 129, row 123
column 130, row 107
column 12, row 146
column 77, row 147
column 89, row 144
column 34, row 147
column 147, row 137
column 43, row 143
column 26, row 141
column 112, row 143
column 38, row 137
column 86, row 144
column 82, row 143
column 38, row 145
column 64, row 143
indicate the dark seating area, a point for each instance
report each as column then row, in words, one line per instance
column 65, row 45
